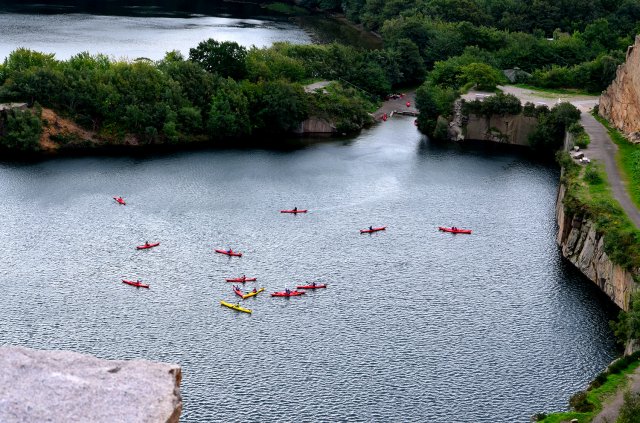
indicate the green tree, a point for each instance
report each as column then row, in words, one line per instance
column 480, row 75
column 22, row 130
column 226, row 58
column 229, row 112
column 276, row 106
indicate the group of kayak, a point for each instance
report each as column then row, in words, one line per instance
column 242, row 279
column 244, row 295
column 300, row 289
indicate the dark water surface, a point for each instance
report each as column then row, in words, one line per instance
column 416, row 325
column 134, row 29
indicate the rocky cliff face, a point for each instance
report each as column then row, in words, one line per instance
column 583, row 247
column 505, row 129
column 620, row 103
column 62, row 386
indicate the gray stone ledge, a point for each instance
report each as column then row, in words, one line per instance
column 63, row 386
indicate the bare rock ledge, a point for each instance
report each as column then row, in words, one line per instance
column 63, row 386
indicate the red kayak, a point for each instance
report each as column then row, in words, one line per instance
column 455, row 230
column 294, row 211
column 135, row 283
column 146, row 246
column 238, row 291
column 120, row 200
column 312, row 286
column 242, row 280
column 287, row 294
column 229, row 253
column 372, row 230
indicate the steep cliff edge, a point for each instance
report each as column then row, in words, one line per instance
column 620, row 103
column 63, row 386
column 584, row 247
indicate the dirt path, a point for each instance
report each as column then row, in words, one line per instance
column 611, row 409
column 603, row 149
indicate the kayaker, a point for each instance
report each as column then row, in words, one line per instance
column 286, row 291
column 370, row 228
column 295, row 209
column 146, row 243
column 313, row 284
column 244, row 277
column 230, row 251
column 255, row 290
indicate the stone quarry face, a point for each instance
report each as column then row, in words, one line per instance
column 63, row 386
column 620, row 103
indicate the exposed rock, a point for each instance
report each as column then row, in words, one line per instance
column 620, row 103
column 315, row 125
column 62, row 386
column 584, row 247
column 505, row 129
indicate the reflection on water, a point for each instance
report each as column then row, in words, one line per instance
column 416, row 325
column 134, row 37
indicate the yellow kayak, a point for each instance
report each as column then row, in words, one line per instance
column 235, row 307
column 251, row 294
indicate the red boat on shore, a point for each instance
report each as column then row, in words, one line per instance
column 372, row 230
column 229, row 253
column 294, row 211
column 242, row 279
column 455, row 230
column 147, row 246
column 120, row 200
column 312, row 286
column 137, row 284
column 287, row 294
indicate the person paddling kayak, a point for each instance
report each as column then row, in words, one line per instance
column 370, row 228
column 295, row 209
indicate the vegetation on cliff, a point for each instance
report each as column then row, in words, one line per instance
column 588, row 194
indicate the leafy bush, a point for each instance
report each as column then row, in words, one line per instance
column 592, row 176
column 499, row 104
column 580, row 402
column 22, row 131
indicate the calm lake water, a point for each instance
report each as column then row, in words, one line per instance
column 416, row 325
column 121, row 30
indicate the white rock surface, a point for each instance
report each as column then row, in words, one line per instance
column 63, row 386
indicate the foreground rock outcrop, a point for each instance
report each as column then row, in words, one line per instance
column 62, row 386
column 584, row 247
column 620, row 103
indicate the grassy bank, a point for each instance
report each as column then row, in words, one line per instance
column 590, row 402
column 561, row 91
column 628, row 159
